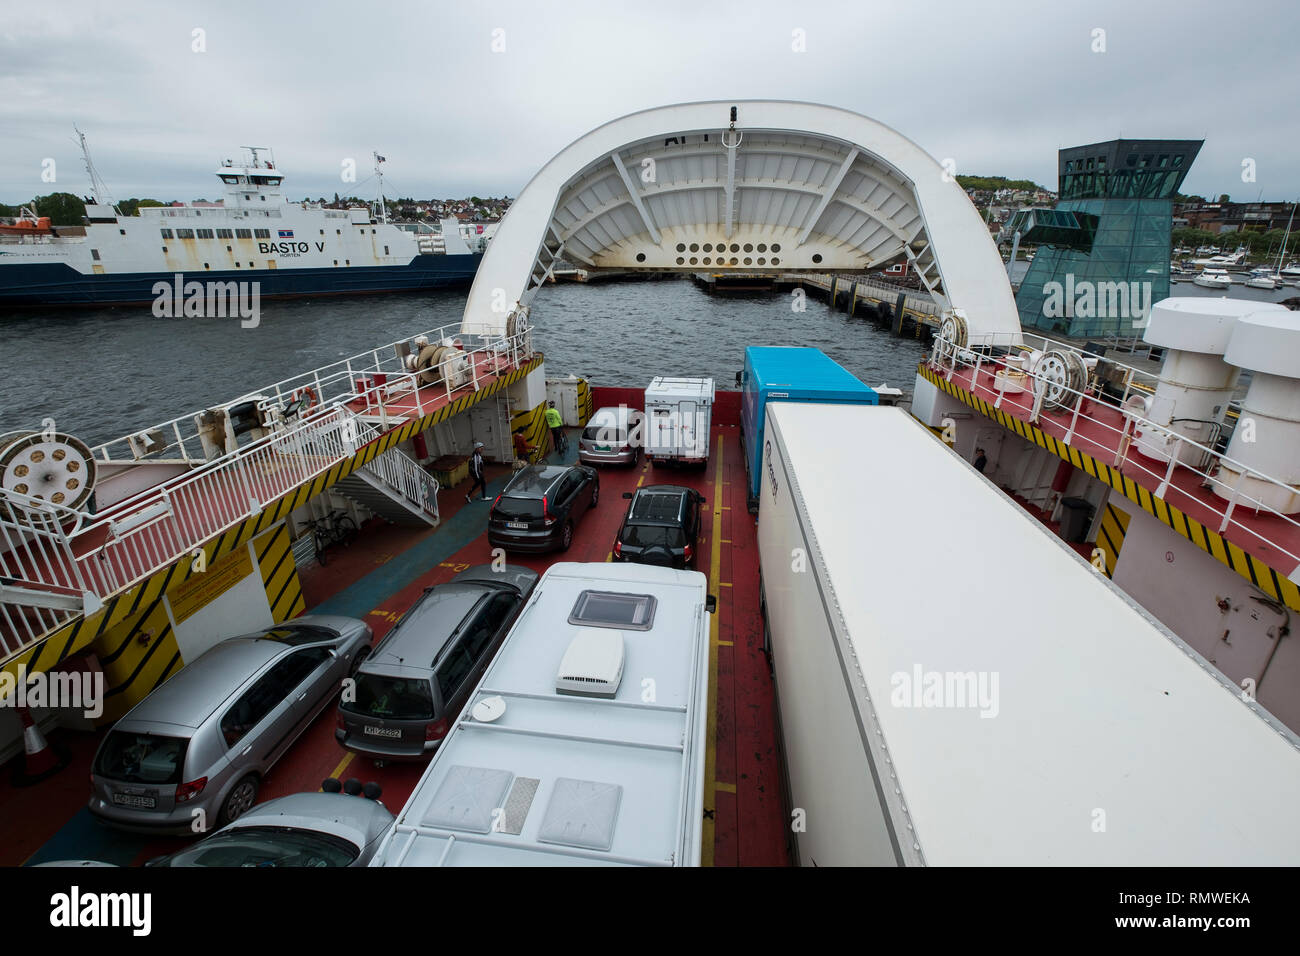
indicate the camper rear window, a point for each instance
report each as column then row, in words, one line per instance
column 631, row 612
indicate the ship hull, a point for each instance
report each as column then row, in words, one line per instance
column 57, row 285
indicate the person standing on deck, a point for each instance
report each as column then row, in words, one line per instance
column 476, row 472
column 554, row 422
column 980, row 461
column 523, row 451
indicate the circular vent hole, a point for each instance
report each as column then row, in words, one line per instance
column 709, row 261
column 749, row 247
column 817, row 257
column 695, row 247
column 776, row 247
column 694, row 261
column 734, row 262
column 640, row 257
column 735, row 247
column 708, row 247
column 681, row 247
column 762, row 247
column 762, row 261
column 776, row 261
column 748, row 261
column 681, row 261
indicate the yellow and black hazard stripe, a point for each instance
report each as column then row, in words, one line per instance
column 81, row 633
column 279, row 574
column 532, row 423
column 1110, row 537
column 1268, row 579
column 584, row 402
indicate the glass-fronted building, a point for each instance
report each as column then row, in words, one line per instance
column 1103, row 252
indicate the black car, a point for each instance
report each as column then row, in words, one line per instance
column 411, row 687
column 540, row 507
column 662, row 526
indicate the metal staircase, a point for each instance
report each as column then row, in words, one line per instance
column 412, row 500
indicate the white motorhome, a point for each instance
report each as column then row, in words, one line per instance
column 584, row 744
column 678, row 415
column 956, row 686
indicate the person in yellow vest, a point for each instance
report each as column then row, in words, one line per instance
column 554, row 422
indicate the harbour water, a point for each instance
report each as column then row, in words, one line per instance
column 103, row 373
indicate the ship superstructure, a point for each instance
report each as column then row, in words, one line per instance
column 252, row 234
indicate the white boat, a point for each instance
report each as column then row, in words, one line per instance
column 1225, row 260
column 252, row 233
column 1213, row 279
column 1263, row 279
column 1292, row 271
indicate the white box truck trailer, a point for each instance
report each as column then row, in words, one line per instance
column 956, row 686
column 678, row 415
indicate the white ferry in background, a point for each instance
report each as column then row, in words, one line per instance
column 290, row 249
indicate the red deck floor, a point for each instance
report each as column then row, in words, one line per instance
column 1272, row 539
column 748, row 818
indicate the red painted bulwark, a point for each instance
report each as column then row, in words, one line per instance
column 726, row 405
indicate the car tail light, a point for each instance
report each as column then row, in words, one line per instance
column 625, row 448
column 496, row 502
column 339, row 722
column 618, row 549
column 546, row 513
column 436, row 730
column 188, row 791
column 690, row 552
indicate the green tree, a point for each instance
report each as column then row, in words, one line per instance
column 1224, row 198
column 64, row 209
column 132, row 207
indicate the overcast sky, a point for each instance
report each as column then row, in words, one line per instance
column 998, row 86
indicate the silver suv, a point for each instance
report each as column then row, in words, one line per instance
column 204, row 739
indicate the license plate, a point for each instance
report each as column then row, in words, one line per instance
column 383, row 731
column 602, row 448
column 134, row 800
column 517, row 525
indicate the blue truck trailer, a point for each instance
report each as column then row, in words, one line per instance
column 778, row 374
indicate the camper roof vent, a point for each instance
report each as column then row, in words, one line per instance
column 593, row 664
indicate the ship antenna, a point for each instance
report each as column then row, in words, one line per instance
column 379, row 176
column 97, row 188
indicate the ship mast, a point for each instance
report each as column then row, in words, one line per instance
column 97, row 188
column 379, row 176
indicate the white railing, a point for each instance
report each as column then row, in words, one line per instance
column 401, row 473
column 980, row 356
column 373, row 377
column 35, row 554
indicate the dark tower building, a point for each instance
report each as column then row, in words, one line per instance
column 1103, row 252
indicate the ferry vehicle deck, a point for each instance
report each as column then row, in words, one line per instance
column 222, row 520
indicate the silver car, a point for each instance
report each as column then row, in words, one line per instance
column 615, row 435
column 409, row 692
column 190, row 757
column 303, row 829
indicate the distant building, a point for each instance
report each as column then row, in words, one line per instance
column 1103, row 251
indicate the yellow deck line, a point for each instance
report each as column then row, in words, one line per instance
column 337, row 773
column 711, row 727
column 725, row 787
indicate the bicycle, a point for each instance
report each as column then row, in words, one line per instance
column 562, row 443
column 335, row 528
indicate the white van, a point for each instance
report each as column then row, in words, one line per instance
column 679, row 412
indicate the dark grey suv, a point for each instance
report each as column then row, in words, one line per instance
column 541, row 506
column 417, row 680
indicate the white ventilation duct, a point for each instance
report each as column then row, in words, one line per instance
column 1267, row 436
column 1196, row 383
column 593, row 664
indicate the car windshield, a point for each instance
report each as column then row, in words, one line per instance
column 266, row 846
column 653, row 535
column 141, row 758
column 400, row 698
column 518, row 509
